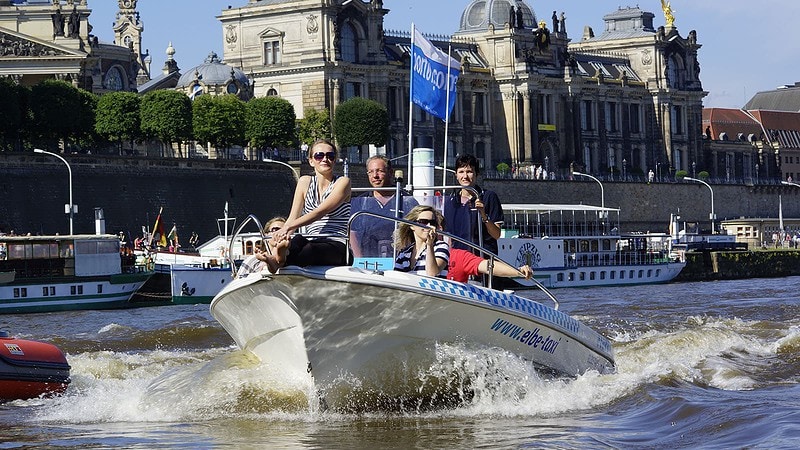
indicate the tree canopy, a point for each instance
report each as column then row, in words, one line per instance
column 219, row 120
column 361, row 121
column 270, row 122
column 315, row 125
column 118, row 117
column 166, row 115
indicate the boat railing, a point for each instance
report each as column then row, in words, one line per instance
column 618, row 258
column 491, row 257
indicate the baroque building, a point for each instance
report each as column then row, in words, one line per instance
column 528, row 93
column 43, row 39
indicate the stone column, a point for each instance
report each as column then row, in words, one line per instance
column 527, row 133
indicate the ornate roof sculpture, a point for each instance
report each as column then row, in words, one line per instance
column 216, row 78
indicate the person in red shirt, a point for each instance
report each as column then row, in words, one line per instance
column 464, row 263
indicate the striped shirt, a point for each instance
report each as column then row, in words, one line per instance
column 333, row 223
column 403, row 261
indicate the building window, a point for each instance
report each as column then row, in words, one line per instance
column 480, row 105
column 586, row 115
column 272, row 53
column 635, row 121
column 272, row 92
column 349, row 43
column 677, row 119
column 114, row 80
column 611, row 117
column 352, row 90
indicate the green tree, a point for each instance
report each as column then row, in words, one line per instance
column 681, row 174
column 167, row 116
column 118, row 117
column 84, row 134
column 56, row 113
column 270, row 122
column 12, row 110
column 361, row 121
column 315, row 125
column 219, row 120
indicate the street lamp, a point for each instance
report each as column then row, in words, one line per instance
column 711, row 216
column 69, row 171
column 789, row 183
column 602, row 193
column 294, row 171
column 624, row 169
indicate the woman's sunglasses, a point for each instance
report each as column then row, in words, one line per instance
column 274, row 229
column 427, row 222
column 319, row 156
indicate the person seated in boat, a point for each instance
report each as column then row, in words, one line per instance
column 459, row 208
column 252, row 263
column 420, row 241
column 320, row 209
column 372, row 236
column 464, row 264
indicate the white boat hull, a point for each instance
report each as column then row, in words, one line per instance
column 193, row 284
column 322, row 326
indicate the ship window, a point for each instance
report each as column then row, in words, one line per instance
column 603, row 275
column 560, row 276
column 613, row 274
column 20, row 292
column 649, row 273
column 583, row 276
column 571, row 276
column 621, row 274
column 641, row 273
column 45, row 291
column 658, row 272
column 99, row 288
column 52, row 290
column 592, row 275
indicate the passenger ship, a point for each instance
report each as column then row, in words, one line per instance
column 581, row 246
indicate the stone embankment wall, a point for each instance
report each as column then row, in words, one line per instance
column 731, row 265
column 34, row 189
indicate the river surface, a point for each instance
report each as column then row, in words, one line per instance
column 711, row 364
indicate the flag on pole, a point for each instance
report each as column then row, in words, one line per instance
column 158, row 232
column 430, row 82
column 173, row 235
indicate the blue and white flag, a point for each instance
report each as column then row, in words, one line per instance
column 429, row 80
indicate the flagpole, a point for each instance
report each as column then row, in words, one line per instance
column 409, row 180
column 446, row 115
column 155, row 227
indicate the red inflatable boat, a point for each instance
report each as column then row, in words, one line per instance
column 30, row 369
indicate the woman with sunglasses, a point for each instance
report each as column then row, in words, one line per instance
column 252, row 263
column 422, row 250
column 320, row 208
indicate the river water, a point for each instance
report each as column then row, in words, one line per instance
column 712, row 364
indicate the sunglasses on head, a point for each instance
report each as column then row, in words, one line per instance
column 427, row 222
column 319, row 156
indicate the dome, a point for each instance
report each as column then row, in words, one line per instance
column 213, row 73
column 480, row 13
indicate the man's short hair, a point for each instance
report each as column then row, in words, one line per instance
column 467, row 160
column 382, row 158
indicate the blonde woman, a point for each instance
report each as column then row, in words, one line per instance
column 421, row 249
column 252, row 263
column 321, row 206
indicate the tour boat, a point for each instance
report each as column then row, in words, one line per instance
column 30, row 369
column 329, row 330
column 69, row 272
column 581, row 246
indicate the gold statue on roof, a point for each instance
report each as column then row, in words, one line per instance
column 668, row 17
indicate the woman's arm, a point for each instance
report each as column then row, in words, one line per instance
column 502, row 269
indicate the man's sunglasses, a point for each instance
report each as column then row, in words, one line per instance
column 319, row 156
column 427, row 222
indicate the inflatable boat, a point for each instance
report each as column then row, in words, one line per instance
column 30, row 369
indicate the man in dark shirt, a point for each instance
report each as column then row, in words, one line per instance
column 464, row 212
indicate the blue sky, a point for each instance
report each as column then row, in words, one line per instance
column 747, row 46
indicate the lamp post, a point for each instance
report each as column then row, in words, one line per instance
column 789, row 183
column 69, row 171
column 294, row 171
column 624, row 169
column 711, row 216
column 602, row 192
column 694, row 169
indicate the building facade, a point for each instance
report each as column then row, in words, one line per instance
column 628, row 98
column 45, row 39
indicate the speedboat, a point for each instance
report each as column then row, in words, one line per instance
column 30, row 369
column 330, row 331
